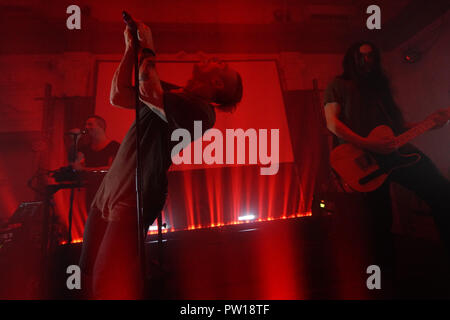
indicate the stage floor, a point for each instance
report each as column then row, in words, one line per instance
column 292, row 259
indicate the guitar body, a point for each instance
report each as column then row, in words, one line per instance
column 365, row 171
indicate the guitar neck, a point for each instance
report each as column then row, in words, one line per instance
column 421, row 128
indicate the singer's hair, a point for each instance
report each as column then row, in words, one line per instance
column 100, row 121
column 228, row 98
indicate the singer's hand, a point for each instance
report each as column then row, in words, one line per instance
column 79, row 163
column 128, row 38
column 144, row 36
column 78, row 166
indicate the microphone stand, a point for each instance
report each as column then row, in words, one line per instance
column 140, row 216
column 72, row 190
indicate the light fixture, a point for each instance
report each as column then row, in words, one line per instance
column 322, row 204
column 155, row 228
column 411, row 56
column 247, row 217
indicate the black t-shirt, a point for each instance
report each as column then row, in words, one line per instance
column 99, row 158
column 117, row 193
column 362, row 113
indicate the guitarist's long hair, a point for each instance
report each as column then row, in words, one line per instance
column 374, row 85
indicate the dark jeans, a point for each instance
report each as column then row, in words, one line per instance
column 109, row 258
column 425, row 180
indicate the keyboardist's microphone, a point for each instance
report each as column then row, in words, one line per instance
column 84, row 131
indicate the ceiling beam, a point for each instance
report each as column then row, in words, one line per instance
column 38, row 35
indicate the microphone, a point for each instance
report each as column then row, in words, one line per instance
column 129, row 21
column 84, row 131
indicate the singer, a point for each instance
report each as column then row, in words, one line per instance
column 109, row 258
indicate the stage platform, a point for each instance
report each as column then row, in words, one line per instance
column 301, row 258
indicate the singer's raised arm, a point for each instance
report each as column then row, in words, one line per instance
column 122, row 92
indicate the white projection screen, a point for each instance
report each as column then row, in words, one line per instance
column 262, row 104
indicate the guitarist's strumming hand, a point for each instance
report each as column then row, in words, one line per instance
column 440, row 118
column 383, row 145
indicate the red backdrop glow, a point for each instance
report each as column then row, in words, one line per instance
column 262, row 105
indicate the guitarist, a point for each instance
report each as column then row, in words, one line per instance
column 358, row 101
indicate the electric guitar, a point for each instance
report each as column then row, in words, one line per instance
column 366, row 171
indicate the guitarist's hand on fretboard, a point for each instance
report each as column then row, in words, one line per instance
column 366, row 172
column 440, row 118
